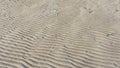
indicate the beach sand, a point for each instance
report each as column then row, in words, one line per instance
column 59, row 34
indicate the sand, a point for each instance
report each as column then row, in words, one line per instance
column 59, row 34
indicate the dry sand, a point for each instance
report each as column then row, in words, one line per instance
column 59, row 34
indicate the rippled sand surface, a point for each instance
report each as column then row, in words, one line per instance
column 59, row 33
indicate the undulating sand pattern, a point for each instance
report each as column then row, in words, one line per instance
column 59, row 34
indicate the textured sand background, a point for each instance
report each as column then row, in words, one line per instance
column 59, row 33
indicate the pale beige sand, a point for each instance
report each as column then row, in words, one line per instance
column 59, row 34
